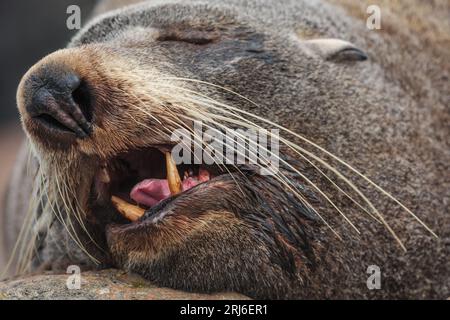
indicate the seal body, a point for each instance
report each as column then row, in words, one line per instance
column 133, row 75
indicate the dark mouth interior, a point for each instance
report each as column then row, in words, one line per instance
column 130, row 168
column 126, row 170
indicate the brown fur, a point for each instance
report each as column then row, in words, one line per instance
column 387, row 116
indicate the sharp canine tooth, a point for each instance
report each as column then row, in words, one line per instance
column 173, row 178
column 129, row 211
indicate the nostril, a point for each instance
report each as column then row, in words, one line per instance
column 81, row 96
column 59, row 100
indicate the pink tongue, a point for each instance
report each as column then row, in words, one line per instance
column 151, row 191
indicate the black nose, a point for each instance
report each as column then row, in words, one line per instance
column 59, row 101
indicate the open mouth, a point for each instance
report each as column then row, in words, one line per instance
column 138, row 180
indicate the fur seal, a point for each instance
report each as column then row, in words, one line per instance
column 364, row 161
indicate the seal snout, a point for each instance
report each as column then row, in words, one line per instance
column 57, row 100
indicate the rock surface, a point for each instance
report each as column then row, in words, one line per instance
column 97, row 285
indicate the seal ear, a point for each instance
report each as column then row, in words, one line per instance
column 335, row 50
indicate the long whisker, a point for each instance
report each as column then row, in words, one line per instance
column 340, row 175
column 312, row 184
column 244, row 122
column 71, row 208
column 376, row 186
column 300, row 174
column 284, row 180
column 281, row 180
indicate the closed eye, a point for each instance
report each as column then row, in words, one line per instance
column 348, row 54
column 196, row 38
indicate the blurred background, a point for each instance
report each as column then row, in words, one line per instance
column 29, row 31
